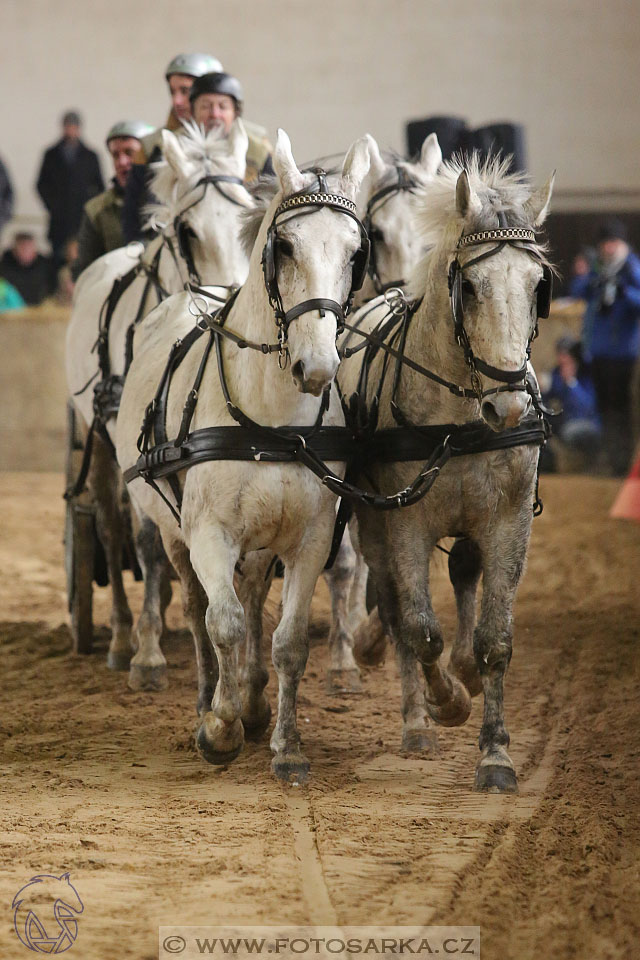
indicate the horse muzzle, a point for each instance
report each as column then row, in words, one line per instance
column 504, row 410
column 313, row 377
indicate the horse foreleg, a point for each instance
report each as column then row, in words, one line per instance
column 290, row 649
column 417, row 735
column 253, row 583
column 194, row 601
column 148, row 669
column 465, row 567
column 104, row 481
column 343, row 675
column 503, row 562
column 221, row 736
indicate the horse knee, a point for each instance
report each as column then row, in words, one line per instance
column 492, row 651
column 225, row 624
column 424, row 637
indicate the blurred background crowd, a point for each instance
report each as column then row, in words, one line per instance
column 593, row 377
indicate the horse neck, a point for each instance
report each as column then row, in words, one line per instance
column 431, row 343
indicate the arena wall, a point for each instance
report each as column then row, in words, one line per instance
column 329, row 71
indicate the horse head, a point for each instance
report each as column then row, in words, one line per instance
column 388, row 198
column 201, row 198
column 481, row 222
column 314, row 258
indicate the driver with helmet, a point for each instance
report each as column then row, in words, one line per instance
column 180, row 74
column 101, row 226
column 211, row 98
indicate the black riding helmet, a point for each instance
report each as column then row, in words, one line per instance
column 218, row 83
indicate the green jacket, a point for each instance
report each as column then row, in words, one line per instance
column 101, row 227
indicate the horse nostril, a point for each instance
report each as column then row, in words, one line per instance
column 490, row 414
column 297, row 371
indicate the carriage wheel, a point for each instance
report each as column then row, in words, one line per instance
column 79, row 546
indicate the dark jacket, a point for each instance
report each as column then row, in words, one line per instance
column 611, row 332
column 34, row 282
column 101, row 227
column 65, row 186
column 6, row 196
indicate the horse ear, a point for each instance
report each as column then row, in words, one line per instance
column 378, row 165
column 537, row 206
column 238, row 143
column 289, row 176
column 356, row 166
column 466, row 200
column 431, row 155
column 175, row 155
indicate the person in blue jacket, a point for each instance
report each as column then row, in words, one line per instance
column 611, row 336
column 571, row 393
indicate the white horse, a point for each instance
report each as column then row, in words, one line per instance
column 387, row 205
column 498, row 288
column 230, row 508
column 200, row 204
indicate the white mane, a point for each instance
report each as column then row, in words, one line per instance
column 206, row 150
column 439, row 222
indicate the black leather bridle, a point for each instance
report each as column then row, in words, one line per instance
column 184, row 233
column 503, row 235
column 295, row 206
column 404, row 183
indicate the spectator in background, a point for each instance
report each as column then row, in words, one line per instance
column 571, row 393
column 101, row 225
column 27, row 270
column 69, row 176
column 10, row 299
column 6, row 196
column 611, row 336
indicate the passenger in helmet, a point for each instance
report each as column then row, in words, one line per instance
column 101, row 225
column 180, row 74
column 216, row 100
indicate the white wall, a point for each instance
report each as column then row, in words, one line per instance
column 329, row 70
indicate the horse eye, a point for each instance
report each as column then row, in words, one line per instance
column 376, row 234
column 285, row 249
column 467, row 288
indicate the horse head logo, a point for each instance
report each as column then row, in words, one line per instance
column 44, row 913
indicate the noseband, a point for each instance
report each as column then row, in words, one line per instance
column 404, row 183
column 183, row 231
column 300, row 203
column 503, row 235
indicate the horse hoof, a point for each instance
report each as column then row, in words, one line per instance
column 291, row 769
column 148, row 678
column 344, row 681
column 422, row 741
column 219, row 742
column 117, row 660
column 370, row 642
column 491, row 778
column 454, row 711
column 467, row 672
column 257, row 721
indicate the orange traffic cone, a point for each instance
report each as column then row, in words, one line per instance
column 627, row 503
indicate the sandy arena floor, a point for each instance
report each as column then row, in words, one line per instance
column 106, row 784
